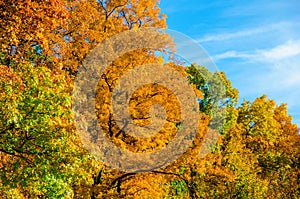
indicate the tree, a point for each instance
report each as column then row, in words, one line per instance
column 254, row 148
column 91, row 22
column 40, row 152
column 55, row 35
column 262, row 149
column 29, row 25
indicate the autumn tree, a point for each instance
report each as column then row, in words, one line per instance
column 90, row 22
column 253, row 148
column 196, row 175
column 255, row 157
column 55, row 35
column 258, row 154
column 185, row 172
column 39, row 149
column 28, row 26
column 271, row 137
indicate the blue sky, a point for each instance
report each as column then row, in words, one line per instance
column 256, row 43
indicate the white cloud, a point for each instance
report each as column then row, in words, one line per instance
column 288, row 49
column 285, row 76
column 274, row 71
column 264, row 60
column 226, row 36
column 233, row 54
column 283, row 83
column 245, row 33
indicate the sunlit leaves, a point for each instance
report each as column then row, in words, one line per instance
column 26, row 24
column 43, row 43
column 38, row 151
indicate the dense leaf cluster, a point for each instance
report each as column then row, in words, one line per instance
column 43, row 44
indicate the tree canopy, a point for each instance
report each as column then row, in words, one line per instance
column 44, row 44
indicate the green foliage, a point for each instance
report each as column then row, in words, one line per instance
column 219, row 97
column 179, row 189
column 215, row 88
column 37, row 150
